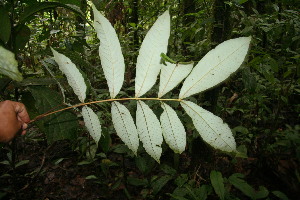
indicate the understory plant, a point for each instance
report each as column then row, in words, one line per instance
column 216, row 66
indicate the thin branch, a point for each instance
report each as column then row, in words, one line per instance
column 100, row 101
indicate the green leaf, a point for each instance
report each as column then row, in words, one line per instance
column 237, row 181
column 168, row 170
column 191, row 191
column 159, row 183
column 144, row 163
column 22, row 162
column 177, row 197
column 182, row 179
column 241, row 1
column 165, row 58
column 218, row 183
column 105, row 141
column 58, row 126
column 261, row 193
column 121, row 148
column 91, row 177
column 74, row 2
column 9, row 65
column 5, row 162
column 203, row 191
column 22, row 36
column 136, row 181
column 91, row 152
column 31, row 10
column 179, row 192
column 5, row 26
column 280, row 195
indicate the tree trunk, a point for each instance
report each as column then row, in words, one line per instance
column 135, row 20
column 188, row 6
column 221, row 31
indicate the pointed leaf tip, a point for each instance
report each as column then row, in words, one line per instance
column 92, row 123
column 148, row 61
column 149, row 130
column 211, row 128
column 112, row 60
column 124, row 125
column 216, row 66
column 173, row 130
column 74, row 77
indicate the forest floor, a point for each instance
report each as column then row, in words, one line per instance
column 58, row 172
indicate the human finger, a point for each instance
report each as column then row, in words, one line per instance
column 24, row 126
column 21, row 111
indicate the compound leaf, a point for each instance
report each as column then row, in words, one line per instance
column 173, row 130
column 149, row 130
column 124, row 125
column 112, row 59
column 216, row 66
column 148, row 61
column 211, row 128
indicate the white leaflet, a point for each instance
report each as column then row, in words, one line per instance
column 148, row 61
column 171, row 75
column 149, row 130
column 9, row 64
column 211, row 128
column 173, row 130
column 125, row 126
column 216, row 66
column 92, row 123
column 74, row 77
column 110, row 53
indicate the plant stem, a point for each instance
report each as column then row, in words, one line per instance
column 100, row 101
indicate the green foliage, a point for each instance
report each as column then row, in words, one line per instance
column 9, row 65
column 217, row 183
column 57, row 126
column 31, row 10
column 243, row 186
column 5, row 26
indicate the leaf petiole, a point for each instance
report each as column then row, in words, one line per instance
column 100, row 101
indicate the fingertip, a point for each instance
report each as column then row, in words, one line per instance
column 24, row 126
column 23, row 132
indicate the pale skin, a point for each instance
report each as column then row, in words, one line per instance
column 13, row 120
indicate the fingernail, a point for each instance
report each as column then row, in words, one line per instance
column 24, row 126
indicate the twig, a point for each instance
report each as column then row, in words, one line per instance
column 100, row 101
